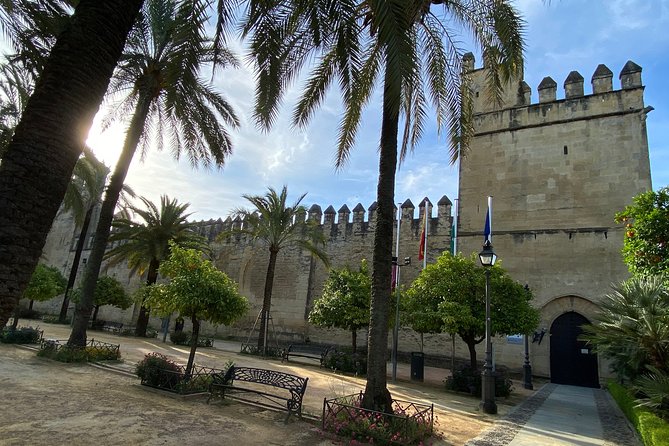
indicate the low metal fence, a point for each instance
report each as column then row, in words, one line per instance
column 93, row 351
column 409, row 422
column 177, row 381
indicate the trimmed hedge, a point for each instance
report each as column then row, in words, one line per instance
column 654, row 431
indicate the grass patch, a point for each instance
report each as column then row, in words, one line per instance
column 654, row 431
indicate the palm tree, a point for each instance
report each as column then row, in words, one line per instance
column 38, row 163
column 144, row 245
column 632, row 328
column 160, row 72
column 82, row 195
column 411, row 51
column 278, row 226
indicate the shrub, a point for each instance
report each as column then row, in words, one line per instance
column 653, row 430
column 53, row 319
column 23, row 335
column 180, row 338
column 469, row 380
column 346, row 361
column 151, row 370
column 183, row 338
column 64, row 353
column 27, row 313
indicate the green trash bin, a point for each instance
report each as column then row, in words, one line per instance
column 417, row 366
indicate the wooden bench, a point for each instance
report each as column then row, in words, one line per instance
column 306, row 351
column 289, row 396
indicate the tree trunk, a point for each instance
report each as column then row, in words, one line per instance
column 75, row 264
column 267, row 300
column 95, row 312
column 83, row 309
column 354, row 340
column 376, row 394
column 193, row 345
column 472, row 354
column 30, row 304
column 144, row 313
column 15, row 322
column 38, row 163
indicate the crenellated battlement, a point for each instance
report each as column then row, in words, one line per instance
column 518, row 110
column 345, row 222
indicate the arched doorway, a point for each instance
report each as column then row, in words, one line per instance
column 572, row 361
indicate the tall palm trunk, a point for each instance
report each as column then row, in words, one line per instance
column 75, row 264
column 267, row 300
column 376, row 394
column 83, row 309
column 193, row 345
column 143, row 318
column 38, row 163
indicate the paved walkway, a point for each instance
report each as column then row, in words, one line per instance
column 560, row 415
column 555, row 415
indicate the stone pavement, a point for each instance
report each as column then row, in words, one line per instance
column 555, row 415
column 561, row 415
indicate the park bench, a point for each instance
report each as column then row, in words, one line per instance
column 306, row 351
column 288, row 394
column 115, row 327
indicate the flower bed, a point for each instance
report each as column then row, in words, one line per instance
column 410, row 423
column 160, row 372
column 93, row 351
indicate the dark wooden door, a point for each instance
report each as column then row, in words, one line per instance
column 572, row 361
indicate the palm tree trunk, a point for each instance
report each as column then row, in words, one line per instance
column 38, row 163
column 193, row 345
column 376, row 394
column 144, row 313
column 82, row 312
column 267, row 300
column 75, row 264
column 354, row 340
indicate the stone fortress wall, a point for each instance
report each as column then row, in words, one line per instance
column 558, row 169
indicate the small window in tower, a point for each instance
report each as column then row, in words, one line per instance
column 477, row 94
column 566, row 150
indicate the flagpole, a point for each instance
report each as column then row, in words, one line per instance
column 455, row 228
column 490, row 214
column 426, row 232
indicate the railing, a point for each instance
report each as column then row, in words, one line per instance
column 93, row 351
column 252, row 349
column 408, row 424
column 178, row 381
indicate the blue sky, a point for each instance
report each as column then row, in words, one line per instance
column 561, row 36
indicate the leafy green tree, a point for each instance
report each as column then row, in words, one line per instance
column 198, row 291
column 46, row 283
column 38, row 163
column 455, row 286
column 144, row 245
column 646, row 246
column 345, row 301
column 109, row 291
column 160, row 71
column 277, row 225
column 404, row 48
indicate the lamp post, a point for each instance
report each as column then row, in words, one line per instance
column 527, row 368
column 396, row 328
column 487, row 257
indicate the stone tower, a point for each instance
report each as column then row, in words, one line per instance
column 558, row 171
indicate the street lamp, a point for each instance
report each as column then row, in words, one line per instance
column 527, row 368
column 396, row 335
column 488, row 257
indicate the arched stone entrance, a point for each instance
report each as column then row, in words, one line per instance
column 572, row 361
